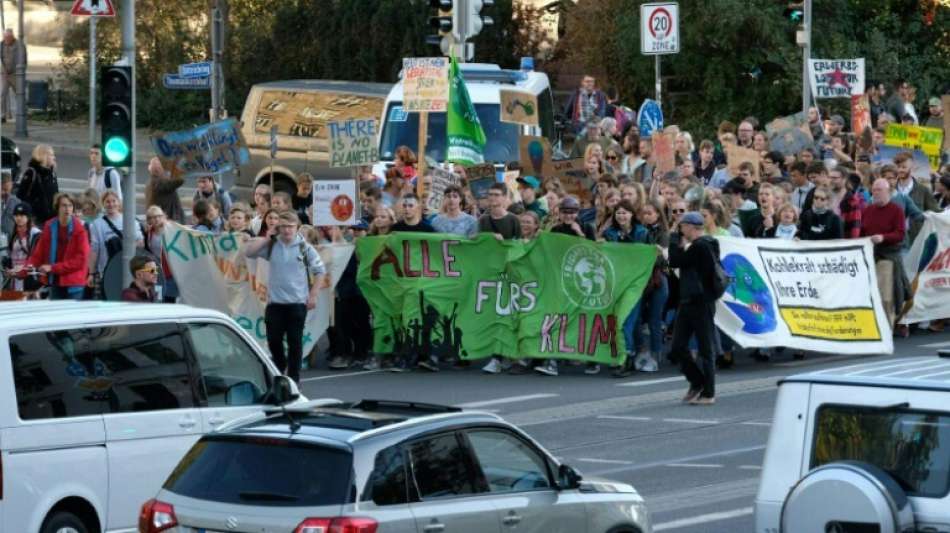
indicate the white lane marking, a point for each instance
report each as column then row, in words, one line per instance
column 604, row 461
column 932, row 375
column 509, row 399
column 677, row 460
column 750, row 467
column 703, row 519
column 766, row 424
column 692, row 465
column 867, row 365
column 629, row 418
column 879, row 368
column 939, row 364
column 650, row 382
column 935, row 345
column 689, row 421
column 345, row 374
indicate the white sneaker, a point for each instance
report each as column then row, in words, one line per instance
column 649, row 364
column 592, row 369
column 549, row 368
column 640, row 360
column 493, row 367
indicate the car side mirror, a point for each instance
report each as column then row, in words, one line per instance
column 567, row 478
column 282, row 391
column 241, row 393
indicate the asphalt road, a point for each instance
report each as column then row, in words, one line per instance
column 697, row 467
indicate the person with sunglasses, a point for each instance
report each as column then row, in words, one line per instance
column 144, row 278
column 820, row 223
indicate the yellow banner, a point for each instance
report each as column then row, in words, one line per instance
column 838, row 325
column 927, row 140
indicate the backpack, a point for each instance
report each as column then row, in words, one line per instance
column 719, row 281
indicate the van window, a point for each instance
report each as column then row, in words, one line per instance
column 912, row 446
column 227, row 364
column 401, row 128
column 112, row 369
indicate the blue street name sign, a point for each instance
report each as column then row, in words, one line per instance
column 174, row 81
column 195, row 70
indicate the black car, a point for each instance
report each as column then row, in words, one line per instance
column 11, row 158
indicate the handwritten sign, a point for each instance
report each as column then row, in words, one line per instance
column 480, row 177
column 927, row 140
column 664, row 151
column 536, row 155
column 860, row 113
column 573, row 177
column 440, row 179
column 334, row 203
column 836, row 78
column 736, row 155
column 206, row 150
column 945, row 99
column 519, row 108
column 425, row 84
column 353, row 143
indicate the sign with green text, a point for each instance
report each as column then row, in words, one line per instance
column 554, row 297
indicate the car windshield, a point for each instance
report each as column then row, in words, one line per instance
column 402, row 128
column 912, row 446
column 268, row 472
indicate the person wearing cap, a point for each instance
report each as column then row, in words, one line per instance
column 294, row 282
column 452, row 219
column 935, row 110
column 144, row 278
column 23, row 237
column 528, row 188
column 695, row 255
column 9, row 202
column 568, row 223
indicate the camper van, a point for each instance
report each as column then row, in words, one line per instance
column 484, row 83
column 300, row 109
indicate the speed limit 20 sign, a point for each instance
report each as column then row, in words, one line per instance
column 659, row 28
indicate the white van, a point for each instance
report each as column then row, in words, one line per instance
column 484, row 82
column 102, row 399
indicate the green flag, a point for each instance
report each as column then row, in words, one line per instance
column 466, row 137
column 554, row 297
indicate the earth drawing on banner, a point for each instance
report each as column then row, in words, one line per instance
column 752, row 300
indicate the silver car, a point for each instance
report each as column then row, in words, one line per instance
column 382, row 466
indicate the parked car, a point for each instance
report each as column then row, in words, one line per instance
column 9, row 158
column 860, row 448
column 102, row 399
column 391, row 467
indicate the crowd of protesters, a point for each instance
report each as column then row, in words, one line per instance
column 835, row 189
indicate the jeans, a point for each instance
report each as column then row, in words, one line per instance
column 696, row 318
column 352, row 336
column 630, row 327
column 286, row 320
column 652, row 312
column 66, row 293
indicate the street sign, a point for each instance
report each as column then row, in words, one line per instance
column 659, row 28
column 195, row 70
column 93, row 8
column 174, row 81
column 649, row 118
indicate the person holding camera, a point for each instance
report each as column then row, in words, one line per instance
column 23, row 239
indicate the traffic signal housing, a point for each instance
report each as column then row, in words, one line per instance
column 116, row 116
column 443, row 22
column 474, row 21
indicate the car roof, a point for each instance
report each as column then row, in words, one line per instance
column 344, row 424
column 66, row 313
column 348, row 87
column 925, row 373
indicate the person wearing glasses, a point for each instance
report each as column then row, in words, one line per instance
column 144, row 278
column 820, row 223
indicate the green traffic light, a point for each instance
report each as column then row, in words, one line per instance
column 116, row 149
column 796, row 15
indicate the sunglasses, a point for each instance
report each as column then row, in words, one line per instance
column 679, row 211
column 821, row 197
column 612, row 158
column 152, row 270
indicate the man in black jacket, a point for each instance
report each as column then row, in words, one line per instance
column 695, row 255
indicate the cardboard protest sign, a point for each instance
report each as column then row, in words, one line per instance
column 574, row 178
column 425, row 84
column 945, row 99
column 519, row 108
column 927, row 140
column 836, row 78
column 860, row 113
column 796, row 120
column 202, row 151
column 480, row 177
column 353, row 143
column 536, row 155
column 921, row 164
column 664, row 151
column 440, row 179
column 335, row 203
column 791, row 140
column 511, row 180
column 736, row 155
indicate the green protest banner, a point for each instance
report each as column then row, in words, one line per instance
column 554, row 297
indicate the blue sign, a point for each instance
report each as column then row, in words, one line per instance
column 209, row 149
column 195, row 70
column 649, row 118
column 396, row 114
column 174, row 81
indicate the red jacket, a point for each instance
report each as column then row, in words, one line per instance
column 72, row 262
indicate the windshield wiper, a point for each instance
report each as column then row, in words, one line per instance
column 267, row 496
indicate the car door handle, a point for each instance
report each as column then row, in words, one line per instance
column 216, row 421
column 434, row 527
column 511, row 520
column 187, row 423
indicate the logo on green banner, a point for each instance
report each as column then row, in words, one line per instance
column 587, row 277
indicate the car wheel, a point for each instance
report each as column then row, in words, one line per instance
column 64, row 522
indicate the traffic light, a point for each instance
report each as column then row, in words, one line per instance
column 443, row 22
column 116, row 116
column 474, row 20
column 794, row 11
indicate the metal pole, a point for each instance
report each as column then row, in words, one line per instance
column 806, row 55
column 659, row 81
column 21, row 80
column 128, row 182
column 92, row 80
column 217, row 78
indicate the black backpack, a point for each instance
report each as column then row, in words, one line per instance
column 719, row 281
column 113, row 244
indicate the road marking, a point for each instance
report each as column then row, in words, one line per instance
column 766, row 424
column 692, row 465
column 630, row 418
column 677, row 460
column 509, row 399
column 750, row 467
column 650, row 382
column 935, row 345
column 689, row 421
column 345, row 374
column 703, row 519
column 604, row 461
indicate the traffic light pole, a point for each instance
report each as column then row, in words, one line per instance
column 128, row 181
column 92, row 80
column 806, row 55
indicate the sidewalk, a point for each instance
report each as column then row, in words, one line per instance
column 71, row 136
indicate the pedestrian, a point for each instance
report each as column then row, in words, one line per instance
column 206, row 218
column 370, row 197
column 585, row 104
column 103, row 178
column 238, row 219
column 395, row 183
column 271, row 222
column 162, row 190
column 883, row 221
column 262, row 197
column 155, row 222
column 530, row 225
column 39, row 184
column 302, row 200
column 281, row 202
column 12, row 55
column 697, row 256
column 294, row 282
column 452, row 219
column 62, row 253
column 9, row 202
column 935, row 118
column 353, row 331
column 623, row 227
column 412, row 220
column 568, row 223
column 383, row 220
column 786, row 226
column 820, row 223
column 90, row 206
column 106, row 238
column 144, row 279
column 498, row 221
column 23, row 238
column 207, row 189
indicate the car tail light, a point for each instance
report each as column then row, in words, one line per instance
column 156, row 516
column 340, row 524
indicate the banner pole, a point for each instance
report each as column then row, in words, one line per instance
column 421, row 155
